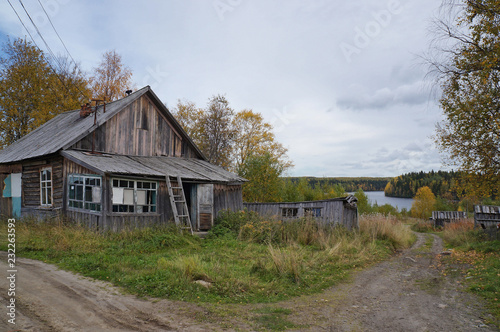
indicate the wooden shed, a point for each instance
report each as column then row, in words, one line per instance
column 337, row 211
column 487, row 216
column 126, row 164
column 441, row 217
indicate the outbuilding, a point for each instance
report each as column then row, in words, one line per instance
column 337, row 211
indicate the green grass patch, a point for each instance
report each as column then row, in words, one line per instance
column 273, row 319
column 266, row 262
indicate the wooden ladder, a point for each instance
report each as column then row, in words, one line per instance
column 179, row 205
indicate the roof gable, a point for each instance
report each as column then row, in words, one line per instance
column 66, row 129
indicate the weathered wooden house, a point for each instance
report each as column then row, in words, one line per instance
column 124, row 164
column 337, row 211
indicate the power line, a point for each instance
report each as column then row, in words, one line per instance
column 54, row 58
column 53, row 27
column 46, row 44
column 29, row 33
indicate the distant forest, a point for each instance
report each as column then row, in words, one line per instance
column 442, row 184
column 349, row 184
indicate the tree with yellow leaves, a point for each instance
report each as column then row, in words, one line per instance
column 111, row 78
column 32, row 90
column 227, row 137
column 423, row 203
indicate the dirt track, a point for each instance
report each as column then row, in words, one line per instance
column 406, row 293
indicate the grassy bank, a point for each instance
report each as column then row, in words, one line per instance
column 245, row 259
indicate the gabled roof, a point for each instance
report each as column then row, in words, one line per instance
column 68, row 128
column 158, row 166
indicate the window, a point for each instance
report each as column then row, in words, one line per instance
column 84, row 192
column 134, row 196
column 289, row 212
column 46, row 186
column 312, row 212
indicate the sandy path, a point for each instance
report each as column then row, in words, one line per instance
column 49, row 299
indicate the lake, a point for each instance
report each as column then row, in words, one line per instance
column 380, row 198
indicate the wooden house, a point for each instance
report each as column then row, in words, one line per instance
column 124, row 164
column 337, row 211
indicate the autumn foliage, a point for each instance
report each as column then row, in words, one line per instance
column 423, row 204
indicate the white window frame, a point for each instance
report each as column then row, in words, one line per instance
column 118, row 204
column 86, row 205
column 45, row 187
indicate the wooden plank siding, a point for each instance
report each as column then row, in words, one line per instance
column 440, row 217
column 31, row 186
column 227, row 197
column 140, row 129
column 333, row 212
column 486, row 216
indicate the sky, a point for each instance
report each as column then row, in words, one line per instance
column 341, row 81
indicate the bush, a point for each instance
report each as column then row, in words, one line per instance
column 230, row 223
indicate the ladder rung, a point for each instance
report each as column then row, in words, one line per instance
column 183, row 216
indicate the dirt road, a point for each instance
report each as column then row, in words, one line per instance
column 406, row 293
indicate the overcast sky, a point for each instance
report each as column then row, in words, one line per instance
column 340, row 80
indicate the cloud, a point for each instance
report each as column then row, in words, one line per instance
column 358, row 98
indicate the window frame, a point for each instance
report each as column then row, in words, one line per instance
column 315, row 212
column 137, row 185
column 45, row 186
column 289, row 212
column 86, row 205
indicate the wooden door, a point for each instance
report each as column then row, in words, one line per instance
column 205, row 206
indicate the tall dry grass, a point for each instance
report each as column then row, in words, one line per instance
column 459, row 233
column 389, row 228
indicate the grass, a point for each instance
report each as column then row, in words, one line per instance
column 478, row 259
column 273, row 319
column 244, row 260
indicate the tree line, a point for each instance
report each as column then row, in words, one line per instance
column 350, row 184
column 441, row 183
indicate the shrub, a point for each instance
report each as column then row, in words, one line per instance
column 229, row 222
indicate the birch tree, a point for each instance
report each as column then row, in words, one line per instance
column 466, row 59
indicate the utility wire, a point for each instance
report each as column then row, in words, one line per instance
column 53, row 27
column 50, row 51
column 54, row 58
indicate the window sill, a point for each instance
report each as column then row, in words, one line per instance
column 133, row 214
column 97, row 213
